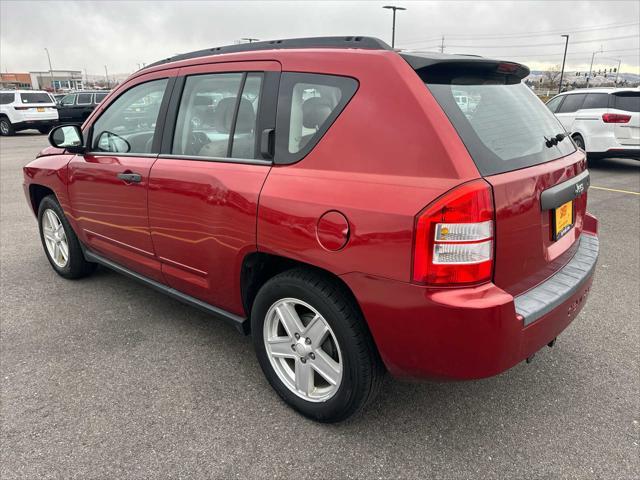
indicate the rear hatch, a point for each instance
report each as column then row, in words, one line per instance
column 36, row 106
column 538, row 177
column 625, row 107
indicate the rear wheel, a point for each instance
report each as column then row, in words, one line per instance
column 44, row 130
column 60, row 242
column 6, row 128
column 313, row 346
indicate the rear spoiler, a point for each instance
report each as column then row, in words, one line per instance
column 443, row 65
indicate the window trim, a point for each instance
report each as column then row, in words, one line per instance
column 157, row 134
column 265, row 117
column 288, row 80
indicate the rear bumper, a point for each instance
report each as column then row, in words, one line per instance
column 26, row 124
column 626, row 152
column 476, row 332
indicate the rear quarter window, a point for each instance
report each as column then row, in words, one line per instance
column 596, row 100
column 307, row 106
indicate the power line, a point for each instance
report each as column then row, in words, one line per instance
column 541, row 33
column 554, row 44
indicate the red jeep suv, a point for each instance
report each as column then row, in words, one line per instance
column 355, row 209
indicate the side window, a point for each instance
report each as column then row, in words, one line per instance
column 554, row 103
column 99, row 97
column 6, row 98
column 572, row 103
column 68, row 100
column 596, row 100
column 84, row 98
column 307, row 106
column 206, row 115
column 129, row 122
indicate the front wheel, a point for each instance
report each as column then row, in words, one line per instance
column 44, row 130
column 60, row 243
column 314, row 347
column 579, row 141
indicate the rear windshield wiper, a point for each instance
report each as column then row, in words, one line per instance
column 550, row 142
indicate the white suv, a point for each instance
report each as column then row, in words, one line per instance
column 602, row 121
column 24, row 109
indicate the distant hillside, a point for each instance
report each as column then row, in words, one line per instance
column 627, row 79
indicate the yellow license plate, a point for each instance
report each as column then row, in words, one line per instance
column 41, row 109
column 562, row 220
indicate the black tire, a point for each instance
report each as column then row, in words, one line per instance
column 6, row 128
column 44, row 130
column 579, row 141
column 362, row 372
column 76, row 265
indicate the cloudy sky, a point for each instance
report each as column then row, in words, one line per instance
column 88, row 35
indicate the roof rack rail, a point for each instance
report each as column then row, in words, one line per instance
column 369, row 43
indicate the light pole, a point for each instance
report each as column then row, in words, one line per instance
column 393, row 28
column 566, row 44
column 106, row 74
column 50, row 70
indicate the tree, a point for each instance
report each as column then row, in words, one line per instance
column 552, row 76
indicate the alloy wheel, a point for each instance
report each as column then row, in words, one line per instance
column 303, row 350
column 55, row 238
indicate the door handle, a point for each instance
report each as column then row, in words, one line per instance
column 130, row 177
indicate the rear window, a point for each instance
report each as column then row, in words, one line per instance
column 504, row 126
column 35, row 98
column 627, row 101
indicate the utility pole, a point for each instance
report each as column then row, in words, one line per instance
column 106, row 74
column 50, row 70
column 250, row 40
column 566, row 44
column 591, row 67
column 442, row 45
column 618, row 71
column 393, row 27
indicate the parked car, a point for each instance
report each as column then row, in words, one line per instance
column 435, row 244
column 26, row 109
column 605, row 122
column 76, row 107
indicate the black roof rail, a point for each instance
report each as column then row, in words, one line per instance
column 369, row 43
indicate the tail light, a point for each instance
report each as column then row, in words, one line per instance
column 615, row 118
column 453, row 242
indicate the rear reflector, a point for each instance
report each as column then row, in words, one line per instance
column 454, row 238
column 615, row 118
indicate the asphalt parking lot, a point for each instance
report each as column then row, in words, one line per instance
column 105, row 378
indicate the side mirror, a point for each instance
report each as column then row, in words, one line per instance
column 68, row 137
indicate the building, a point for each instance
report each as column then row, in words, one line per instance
column 15, row 81
column 58, row 80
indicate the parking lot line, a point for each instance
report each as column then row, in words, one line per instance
column 615, row 190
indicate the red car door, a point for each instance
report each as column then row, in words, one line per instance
column 108, row 185
column 204, row 187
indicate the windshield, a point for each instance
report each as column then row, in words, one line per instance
column 35, row 98
column 504, row 126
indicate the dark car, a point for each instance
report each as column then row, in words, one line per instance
column 446, row 242
column 76, row 107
